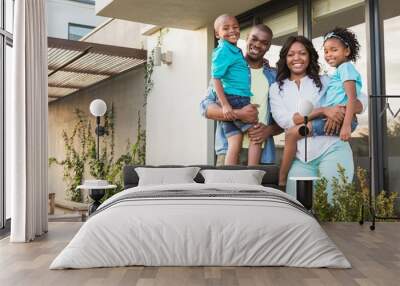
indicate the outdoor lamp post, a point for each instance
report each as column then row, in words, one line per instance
column 98, row 108
column 304, row 185
column 305, row 109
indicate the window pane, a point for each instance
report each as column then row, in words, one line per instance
column 9, row 9
column 283, row 24
column 8, row 74
column 390, row 11
column 328, row 14
column 1, row 15
column 76, row 31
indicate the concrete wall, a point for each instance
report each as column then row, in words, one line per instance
column 124, row 91
column 176, row 133
column 62, row 12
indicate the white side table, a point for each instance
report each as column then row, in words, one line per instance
column 304, row 190
column 96, row 193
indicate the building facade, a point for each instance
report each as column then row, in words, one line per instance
column 186, row 30
column 71, row 19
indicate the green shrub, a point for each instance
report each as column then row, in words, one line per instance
column 348, row 199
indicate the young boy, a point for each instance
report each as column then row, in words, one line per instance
column 231, row 79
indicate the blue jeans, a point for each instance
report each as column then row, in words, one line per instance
column 318, row 125
column 237, row 126
column 323, row 166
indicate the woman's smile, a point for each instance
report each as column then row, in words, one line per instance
column 297, row 58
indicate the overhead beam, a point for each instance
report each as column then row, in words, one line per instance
column 96, row 48
column 84, row 70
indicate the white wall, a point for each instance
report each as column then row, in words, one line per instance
column 62, row 12
column 176, row 133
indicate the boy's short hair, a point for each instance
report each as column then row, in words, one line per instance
column 220, row 18
column 264, row 28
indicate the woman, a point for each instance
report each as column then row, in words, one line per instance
column 298, row 78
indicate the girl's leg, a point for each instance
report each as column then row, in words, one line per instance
column 289, row 152
column 338, row 153
column 254, row 156
column 234, row 147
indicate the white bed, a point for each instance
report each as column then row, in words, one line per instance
column 268, row 228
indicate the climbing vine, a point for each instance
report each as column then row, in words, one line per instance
column 80, row 154
column 148, row 73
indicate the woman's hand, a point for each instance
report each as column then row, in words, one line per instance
column 228, row 112
column 331, row 127
column 335, row 113
column 298, row 119
column 345, row 133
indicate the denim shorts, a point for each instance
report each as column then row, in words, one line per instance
column 319, row 124
column 237, row 126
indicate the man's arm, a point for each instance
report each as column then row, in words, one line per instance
column 260, row 132
column 248, row 114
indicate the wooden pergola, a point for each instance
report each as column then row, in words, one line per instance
column 75, row 65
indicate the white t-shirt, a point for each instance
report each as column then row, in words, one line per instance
column 285, row 102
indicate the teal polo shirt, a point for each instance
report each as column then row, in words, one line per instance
column 229, row 66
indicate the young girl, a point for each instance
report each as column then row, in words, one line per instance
column 340, row 48
column 231, row 79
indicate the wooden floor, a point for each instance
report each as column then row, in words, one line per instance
column 375, row 257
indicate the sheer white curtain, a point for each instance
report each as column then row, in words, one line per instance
column 27, row 123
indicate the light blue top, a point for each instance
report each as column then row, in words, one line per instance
column 229, row 65
column 335, row 93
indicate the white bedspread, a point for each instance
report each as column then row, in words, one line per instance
column 187, row 231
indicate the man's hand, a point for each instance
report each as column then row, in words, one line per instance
column 228, row 112
column 331, row 127
column 259, row 133
column 248, row 114
column 335, row 113
column 345, row 133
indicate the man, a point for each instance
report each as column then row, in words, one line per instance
column 262, row 76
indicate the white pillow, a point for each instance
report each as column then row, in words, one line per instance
column 248, row 177
column 163, row 176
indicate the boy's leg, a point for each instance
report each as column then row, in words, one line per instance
column 242, row 125
column 234, row 147
column 289, row 153
column 254, row 156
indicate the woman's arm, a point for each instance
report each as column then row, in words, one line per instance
column 248, row 114
column 281, row 115
column 336, row 114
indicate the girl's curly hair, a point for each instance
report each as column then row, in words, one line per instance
column 313, row 68
column 348, row 38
